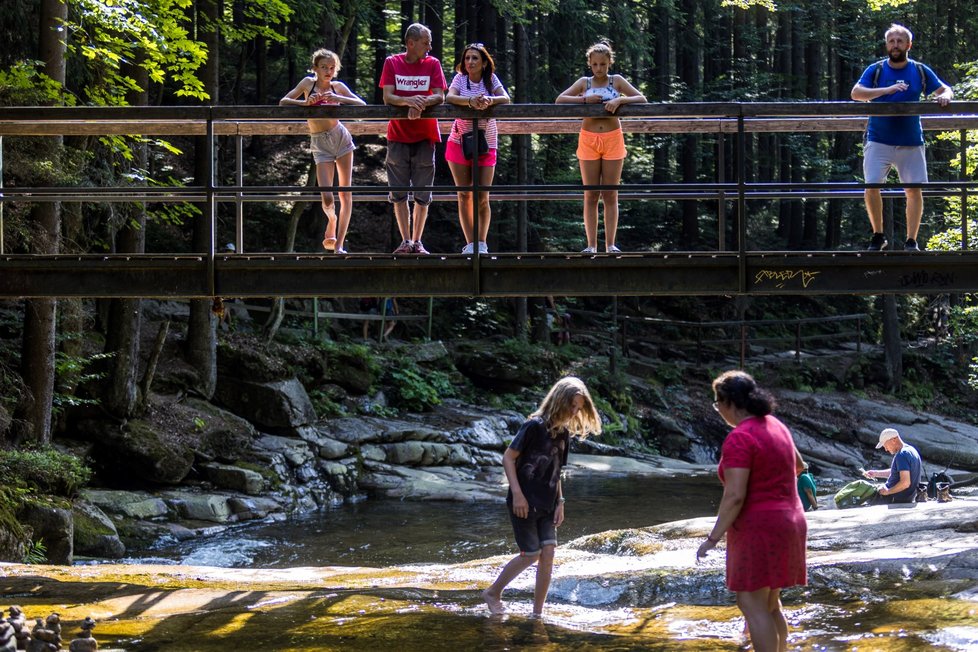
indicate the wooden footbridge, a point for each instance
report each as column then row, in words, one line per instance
column 729, row 269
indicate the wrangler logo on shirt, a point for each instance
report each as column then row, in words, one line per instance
column 412, row 83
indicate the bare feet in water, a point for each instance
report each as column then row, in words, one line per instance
column 495, row 604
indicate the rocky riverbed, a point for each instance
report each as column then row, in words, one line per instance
column 881, row 578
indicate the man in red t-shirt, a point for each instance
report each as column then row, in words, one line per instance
column 415, row 80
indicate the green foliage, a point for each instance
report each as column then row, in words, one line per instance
column 23, row 84
column 325, row 406
column 963, row 325
column 45, row 471
column 199, row 424
column 415, row 389
column 36, row 553
column 72, row 371
column 106, row 35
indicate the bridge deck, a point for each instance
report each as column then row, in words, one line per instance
column 496, row 275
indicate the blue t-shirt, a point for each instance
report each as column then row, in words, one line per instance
column 903, row 130
column 908, row 459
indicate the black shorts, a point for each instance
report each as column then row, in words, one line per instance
column 534, row 531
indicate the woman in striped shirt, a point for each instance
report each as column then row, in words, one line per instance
column 476, row 86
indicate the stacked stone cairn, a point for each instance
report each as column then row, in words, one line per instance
column 46, row 635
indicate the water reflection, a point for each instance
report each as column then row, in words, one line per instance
column 390, row 532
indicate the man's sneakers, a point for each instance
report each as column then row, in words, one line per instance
column 878, row 243
column 406, row 247
column 411, row 247
column 911, row 245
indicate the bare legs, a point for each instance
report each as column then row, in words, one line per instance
column 410, row 232
column 765, row 620
column 601, row 172
column 545, row 566
column 463, row 177
column 336, row 228
column 915, row 209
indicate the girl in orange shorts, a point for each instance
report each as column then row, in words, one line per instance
column 601, row 144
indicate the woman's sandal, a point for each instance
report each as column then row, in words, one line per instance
column 329, row 241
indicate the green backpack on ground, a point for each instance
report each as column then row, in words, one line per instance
column 854, row 494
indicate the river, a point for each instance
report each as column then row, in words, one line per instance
column 384, row 533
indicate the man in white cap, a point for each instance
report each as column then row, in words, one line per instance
column 903, row 474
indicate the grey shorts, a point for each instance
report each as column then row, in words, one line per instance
column 411, row 164
column 910, row 162
column 327, row 146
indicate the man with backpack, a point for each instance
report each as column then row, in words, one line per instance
column 896, row 141
column 903, row 476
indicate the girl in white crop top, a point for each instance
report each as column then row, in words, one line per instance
column 601, row 144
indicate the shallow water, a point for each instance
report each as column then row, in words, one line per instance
column 390, row 532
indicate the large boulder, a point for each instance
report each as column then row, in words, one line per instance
column 501, row 369
column 53, row 525
column 232, row 477
column 350, row 371
column 279, row 406
column 225, row 436
column 95, row 534
column 129, row 504
column 142, row 452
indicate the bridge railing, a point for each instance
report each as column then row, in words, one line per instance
column 721, row 119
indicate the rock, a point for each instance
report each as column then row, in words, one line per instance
column 500, row 370
column 279, row 406
column 84, row 642
column 295, row 451
column 131, row 504
column 246, row 509
column 95, row 534
column 341, row 476
column 213, row 508
column 441, row 483
column 349, row 370
column 53, row 525
column 429, row 352
column 225, row 435
column 323, row 445
column 139, row 453
column 235, row 478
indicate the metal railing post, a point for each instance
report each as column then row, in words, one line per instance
column 963, row 176
column 211, row 215
column 722, row 199
column 741, row 203
column 238, row 203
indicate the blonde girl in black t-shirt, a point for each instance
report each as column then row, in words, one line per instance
column 535, row 503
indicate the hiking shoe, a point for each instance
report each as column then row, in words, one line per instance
column 612, row 249
column 418, row 248
column 878, row 243
column 406, row 247
column 911, row 245
column 483, row 248
column 468, row 249
column 589, row 250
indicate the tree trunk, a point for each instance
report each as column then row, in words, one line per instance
column 125, row 315
column 201, row 344
column 378, row 40
column 688, row 55
column 40, row 315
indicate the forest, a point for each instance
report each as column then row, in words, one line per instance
column 251, row 52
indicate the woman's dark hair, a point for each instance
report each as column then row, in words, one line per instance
column 740, row 389
column 489, row 66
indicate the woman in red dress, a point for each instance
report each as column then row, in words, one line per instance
column 760, row 511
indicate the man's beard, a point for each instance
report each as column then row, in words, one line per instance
column 899, row 57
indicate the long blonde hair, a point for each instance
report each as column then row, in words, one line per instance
column 557, row 409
